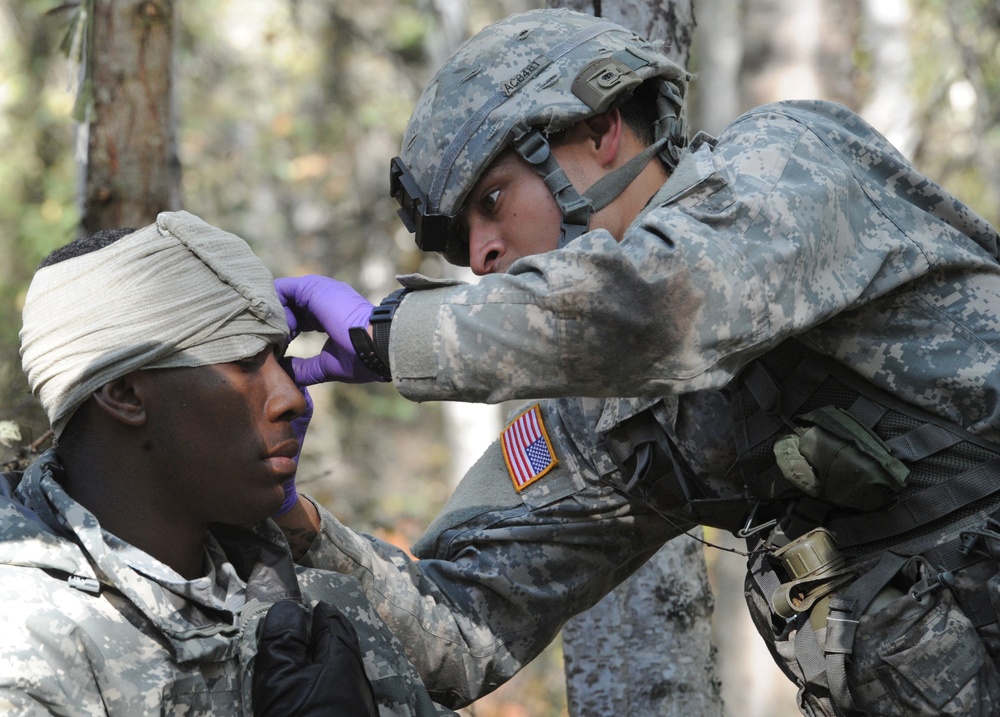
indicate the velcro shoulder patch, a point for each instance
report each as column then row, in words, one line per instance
column 527, row 449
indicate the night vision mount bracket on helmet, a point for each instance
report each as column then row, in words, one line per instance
column 433, row 231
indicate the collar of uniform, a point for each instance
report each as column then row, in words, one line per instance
column 194, row 634
column 694, row 169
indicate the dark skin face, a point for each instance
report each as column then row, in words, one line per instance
column 221, row 438
column 169, row 451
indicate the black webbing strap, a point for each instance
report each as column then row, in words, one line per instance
column 915, row 510
column 809, row 655
column 923, row 441
column 918, row 509
column 762, row 575
column 775, row 401
column 846, row 609
column 776, row 404
column 866, row 411
column 805, row 514
column 931, row 436
column 764, row 422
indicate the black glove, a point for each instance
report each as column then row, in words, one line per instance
column 298, row 674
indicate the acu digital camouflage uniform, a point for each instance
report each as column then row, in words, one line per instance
column 800, row 222
column 92, row 626
column 501, row 573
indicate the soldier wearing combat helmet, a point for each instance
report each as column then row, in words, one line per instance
column 474, row 109
column 804, row 321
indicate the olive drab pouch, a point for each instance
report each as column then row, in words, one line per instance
column 917, row 654
column 836, row 459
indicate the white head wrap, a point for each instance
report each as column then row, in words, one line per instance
column 176, row 293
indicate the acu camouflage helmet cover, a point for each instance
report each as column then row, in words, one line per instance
column 529, row 75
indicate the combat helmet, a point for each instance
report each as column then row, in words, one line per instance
column 513, row 84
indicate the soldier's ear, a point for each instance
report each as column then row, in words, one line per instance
column 605, row 132
column 122, row 400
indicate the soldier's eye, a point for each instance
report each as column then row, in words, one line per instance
column 489, row 200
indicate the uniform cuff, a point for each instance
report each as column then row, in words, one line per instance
column 414, row 337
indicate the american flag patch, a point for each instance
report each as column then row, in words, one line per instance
column 527, row 449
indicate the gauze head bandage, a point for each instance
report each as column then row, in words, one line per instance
column 176, row 293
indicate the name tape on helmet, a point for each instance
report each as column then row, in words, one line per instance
column 533, row 68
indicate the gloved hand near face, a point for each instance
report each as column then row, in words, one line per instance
column 318, row 303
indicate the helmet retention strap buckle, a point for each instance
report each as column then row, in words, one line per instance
column 576, row 209
column 534, row 148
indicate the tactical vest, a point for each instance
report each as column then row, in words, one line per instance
column 905, row 587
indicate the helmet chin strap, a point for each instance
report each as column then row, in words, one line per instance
column 576, row 210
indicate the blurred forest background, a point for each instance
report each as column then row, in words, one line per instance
column 288, row 112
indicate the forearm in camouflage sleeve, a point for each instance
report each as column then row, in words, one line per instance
column 501, row 572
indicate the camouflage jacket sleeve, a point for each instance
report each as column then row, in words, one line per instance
column 49, row 674
column 45, row 668
column 799, row 212
column 502, row 571
column 34, row 689
column 32, row 698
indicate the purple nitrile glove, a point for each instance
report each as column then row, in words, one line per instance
column 299, row 426
column 318, row 303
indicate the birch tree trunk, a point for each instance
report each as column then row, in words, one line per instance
column 132, row 170
column 646, row 649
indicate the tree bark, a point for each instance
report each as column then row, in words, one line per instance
column 646, row 649
column 132, row 169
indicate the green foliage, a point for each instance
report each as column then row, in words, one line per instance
column 37, row 179
column 406, row 33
